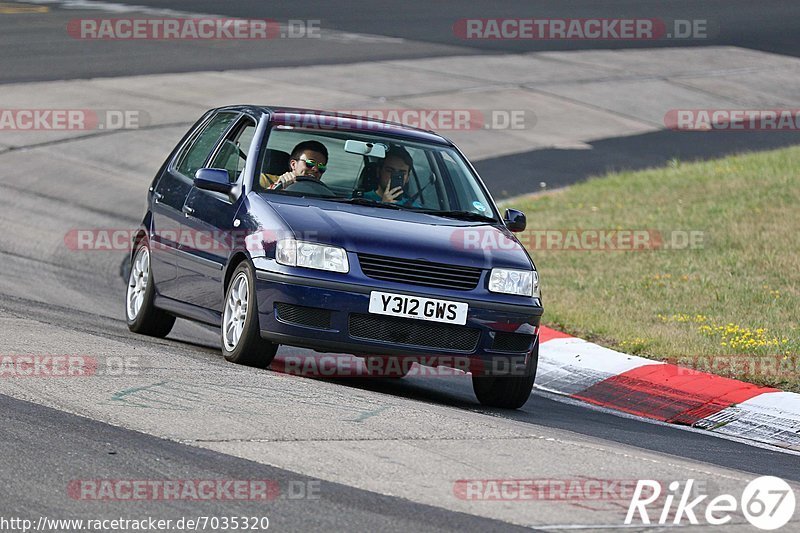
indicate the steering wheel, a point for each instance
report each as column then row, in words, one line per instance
column 305, row 184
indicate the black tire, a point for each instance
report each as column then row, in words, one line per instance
column 147, row 320
column 507, row 392
column 249, row 349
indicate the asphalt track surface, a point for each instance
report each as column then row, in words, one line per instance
column 59, row 301
column 83, row 445
column 43, row 50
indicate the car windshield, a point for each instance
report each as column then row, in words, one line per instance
column 420, row 176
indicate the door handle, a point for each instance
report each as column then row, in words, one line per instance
column 188, row 211
column 158, row 196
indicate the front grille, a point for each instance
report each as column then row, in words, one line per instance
column 512, row 342
column 412, row 332
column 417, row 272
column 304, row 316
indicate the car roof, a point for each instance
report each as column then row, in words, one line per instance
column 330, row 120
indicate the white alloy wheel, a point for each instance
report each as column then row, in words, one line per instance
column 235, row 311
column 137, row 282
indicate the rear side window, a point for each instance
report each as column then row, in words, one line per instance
column 197, row 152
column 232, row 154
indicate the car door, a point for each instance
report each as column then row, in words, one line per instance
column 170, row 195
column 211, row 217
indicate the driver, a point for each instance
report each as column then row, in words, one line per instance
column 308, row 159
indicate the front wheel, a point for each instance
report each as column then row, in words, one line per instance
column 141, row 314
column 508, row 392
column 241, row 335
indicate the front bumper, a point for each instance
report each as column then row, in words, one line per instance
column 328, row 316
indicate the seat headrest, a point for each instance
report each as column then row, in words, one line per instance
column 276, row 162
column 368, row 180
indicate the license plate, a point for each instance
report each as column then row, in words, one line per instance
column 384, row 303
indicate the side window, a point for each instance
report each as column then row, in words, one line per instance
column 453, row 185
column 192, row 159
column 232, row 154
column 421, row 185
column 464, row 193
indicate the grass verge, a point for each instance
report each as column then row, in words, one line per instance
column 717, row 287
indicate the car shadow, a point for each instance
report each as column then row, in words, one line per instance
column 454, row 389
column 436, row 385
column 518, row 174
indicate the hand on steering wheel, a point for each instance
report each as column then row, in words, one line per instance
column 284, row 180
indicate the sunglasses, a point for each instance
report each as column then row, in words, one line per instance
column 322, row 167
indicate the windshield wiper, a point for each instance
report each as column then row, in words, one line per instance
column 366, row 201
column 462, row 215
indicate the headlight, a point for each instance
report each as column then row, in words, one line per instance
column 520, row 282
column 290, row 252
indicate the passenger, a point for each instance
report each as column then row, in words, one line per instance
column 309, row 159
column 397, row 161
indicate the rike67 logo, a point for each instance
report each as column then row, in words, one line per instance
column 766, row 502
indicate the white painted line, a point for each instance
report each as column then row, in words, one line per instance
column 109, row 7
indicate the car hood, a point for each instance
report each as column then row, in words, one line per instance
column 403, row 233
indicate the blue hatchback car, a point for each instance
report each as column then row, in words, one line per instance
column 339, row 234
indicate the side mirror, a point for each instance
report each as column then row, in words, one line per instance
column 515, row 220
column 213, row 179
